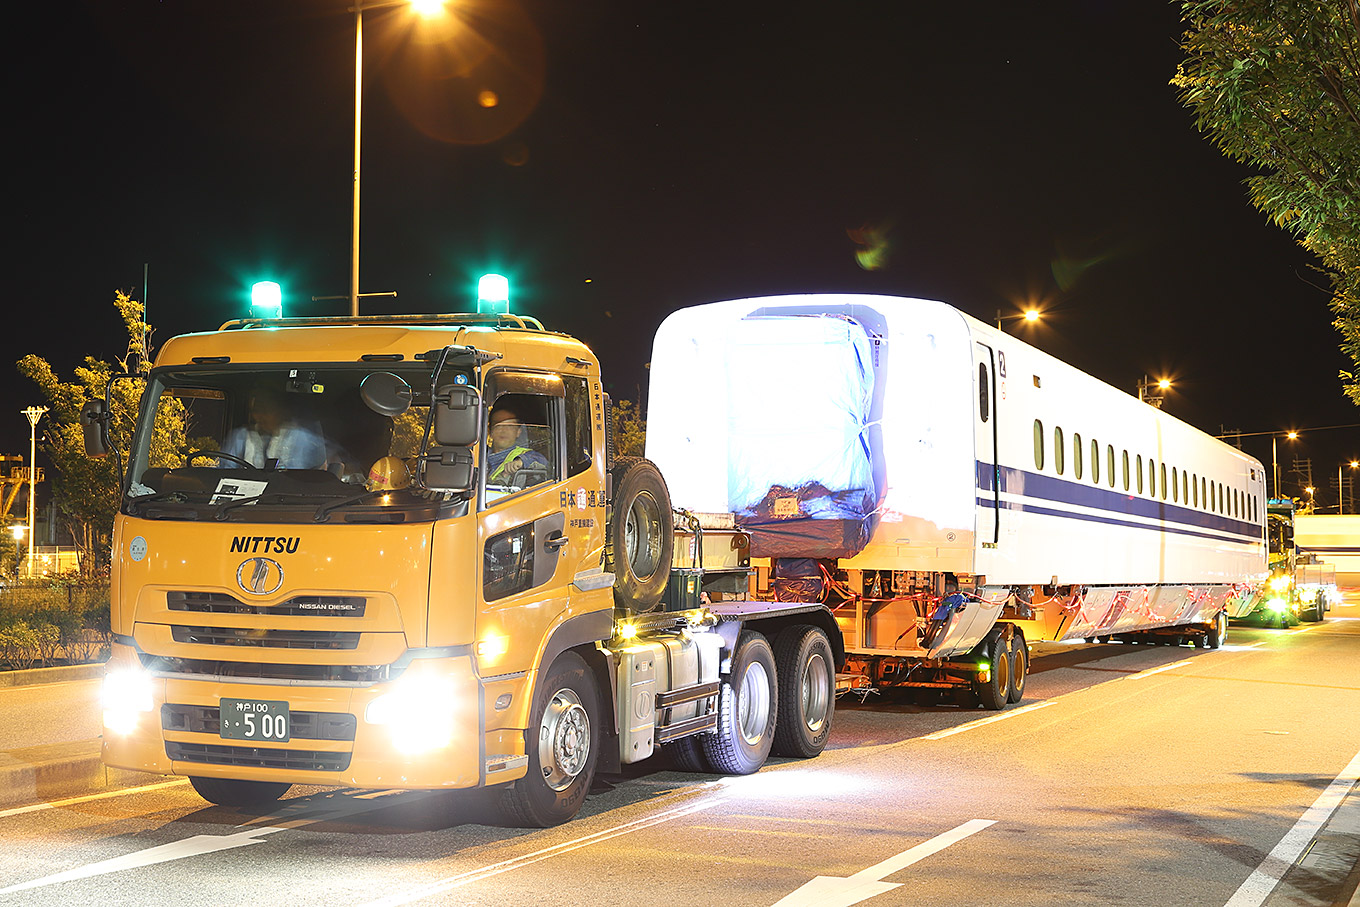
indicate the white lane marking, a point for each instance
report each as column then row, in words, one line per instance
column 69, row 801
column 1150, row 671
column 203, row 844
column 495, row 869
column 835, row 891
column 940, row 735
column 1265, row 877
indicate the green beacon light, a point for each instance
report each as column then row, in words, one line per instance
column 493, row 295
column 266, row 300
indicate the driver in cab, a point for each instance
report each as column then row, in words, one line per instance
column 509, row 452
column 276, row 435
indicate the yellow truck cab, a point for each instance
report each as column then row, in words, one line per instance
column 397, row 552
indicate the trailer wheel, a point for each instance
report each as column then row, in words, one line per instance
column 1218, row 630
column 996, row 689
column 687, row 755
column 1019, row 667
column 747, row 709
column 563, row 746
column 639, row 536
column 230, row 792
column 807, row 691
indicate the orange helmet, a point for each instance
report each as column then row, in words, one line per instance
column 388, row 473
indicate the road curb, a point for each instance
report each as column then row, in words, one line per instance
column 64, row 674
column 53, row 771
column 1328, row 873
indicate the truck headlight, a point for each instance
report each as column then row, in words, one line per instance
column 417, row 712
column 127, row 695
column 1277, row 605
column 1278, row 583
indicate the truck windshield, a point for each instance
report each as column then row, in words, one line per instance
column 298, row 442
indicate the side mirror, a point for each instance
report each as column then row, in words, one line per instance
column 457, row 415
column 449, row 469
column 94, row 420
column 386, row 394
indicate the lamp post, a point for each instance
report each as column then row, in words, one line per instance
column 1029, row 316
column 34, row 413
column 1341, row 489
column 425, row 9
column 1146, row 387
column 1275, row 459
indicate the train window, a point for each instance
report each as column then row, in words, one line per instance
column 1138, row 463
column 1126, row 470
column 1185, row 485
column 1076, row 455
column 1164, row 481
column 1194, row 490
column 1095, row 461
column 1058, row 451
column 984, row 404
column 1038, row 444
column 1175, row 488
column 1203, row 492
column 1109, row 464
column 1152, row 477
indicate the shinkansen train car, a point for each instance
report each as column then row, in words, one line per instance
column 949, row 489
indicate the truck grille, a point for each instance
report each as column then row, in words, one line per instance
column 300, row 605
column 202, row 667
column 214, row 754
column 205, row 719
column 265, row 639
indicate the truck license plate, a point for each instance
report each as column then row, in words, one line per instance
column 255, row 719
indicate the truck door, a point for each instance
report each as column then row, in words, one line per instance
column 984, row 434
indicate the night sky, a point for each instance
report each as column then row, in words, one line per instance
column 644, row 156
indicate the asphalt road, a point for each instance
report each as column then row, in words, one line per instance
column 1130, row 775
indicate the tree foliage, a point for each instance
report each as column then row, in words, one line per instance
column 1276, row 84
column 630, row 429
column 85, row 490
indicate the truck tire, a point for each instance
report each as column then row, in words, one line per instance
column 993, row 693
column 1019, row 667
column 687, row 755
column 807, row 691
column 230, row 792
column 1218, row 630
column 563, row 744
column 747, row 709
column 639, row 536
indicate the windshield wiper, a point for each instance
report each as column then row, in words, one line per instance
column 275, row 497
column 324, row 510
column 136, row 504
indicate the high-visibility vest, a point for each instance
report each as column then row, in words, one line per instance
column 508, row 457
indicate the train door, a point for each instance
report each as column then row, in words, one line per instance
column 984, row 431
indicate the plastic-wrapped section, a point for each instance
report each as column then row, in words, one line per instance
column 797, row 579
column 799, row 471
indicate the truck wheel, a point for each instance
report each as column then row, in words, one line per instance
column 563, row 746
column 230, row 792
column 807, row 691
column 639, row 537
column 1019, row 667
column 747, row 710
column 993, row 692
column 687, row 755
column 1218, row 630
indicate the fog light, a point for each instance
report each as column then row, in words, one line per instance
column 417, row 712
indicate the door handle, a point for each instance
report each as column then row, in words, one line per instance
column 555, row 541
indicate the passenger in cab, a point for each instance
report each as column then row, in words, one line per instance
column 277, row 435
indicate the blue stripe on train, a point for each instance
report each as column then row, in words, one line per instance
column 1175, row 518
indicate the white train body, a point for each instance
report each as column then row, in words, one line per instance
column 1056, row 501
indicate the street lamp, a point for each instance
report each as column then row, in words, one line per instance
column 1275, row 458
column 1146, row 388
column 1341, row 489
column 1030, row 315
column 34, row 413
column 425, row 9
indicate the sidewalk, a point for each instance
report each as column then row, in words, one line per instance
column 51, row 771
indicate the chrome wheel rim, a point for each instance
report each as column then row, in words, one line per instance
column 642, row 536
column 814, row 697
column 753, row 706
column 563, row 739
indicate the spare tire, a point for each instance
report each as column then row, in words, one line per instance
column 639, row 536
